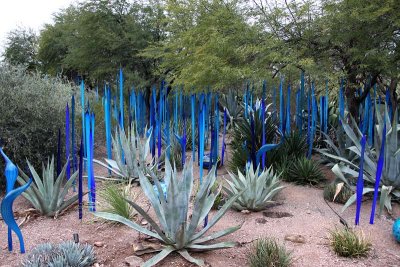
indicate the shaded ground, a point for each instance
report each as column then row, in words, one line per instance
column 311, row 218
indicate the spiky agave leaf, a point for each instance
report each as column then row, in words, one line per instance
column 259, row 188
column 46, row 194
column 175, row 230
column 134, row 151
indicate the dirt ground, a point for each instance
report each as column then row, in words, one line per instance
column 311, row 218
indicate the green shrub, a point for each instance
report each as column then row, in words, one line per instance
column 305, row 172
column 32, row 110
column 63, row 254
column 266, row 252
column 342, row 197
column 346, row 242
column 293, row 147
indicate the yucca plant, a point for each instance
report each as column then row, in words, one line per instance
column 259, row 188
column 174, row 229
column 305, row 172
column 61, row 255
column 130, row 154
column 115, row 197
column 347, row 169
column 47, row 194
column 267, row 252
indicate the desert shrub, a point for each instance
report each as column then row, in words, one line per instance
column 63, row 254
column 305, row 172
column 342, row 197
column 32, row 110
column 293, row 147
column 347, row 242
column 266, row 252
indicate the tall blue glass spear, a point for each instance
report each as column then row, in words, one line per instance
column 67, row 142
column 287, row 128
column 121, row 98
column 80, row 180
column 223, row 139
column 193, row 107
column 264, row 88
column 326, row 110
column 83, row 113
column 360, row 182
column 74, row 163
column 281, row 108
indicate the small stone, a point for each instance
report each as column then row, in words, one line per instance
column 295, row 238
column 308, row 211
column 98, row 244
column 134, row 261
column 245, row 211
column 96, row 264
column 144, row 222
column 261, row 220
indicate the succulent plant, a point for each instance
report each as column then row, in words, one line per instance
column 130, row 155
column 337, row 192
column 174, row 229
column 46, row 194
column 233, row 107
column 267, row 252
column 66, row 254
column 114, row 197
column 304, row 171
column 259, row 188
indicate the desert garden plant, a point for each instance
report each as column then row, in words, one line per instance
column 233, row 108
column 305, row 172
column 48, row 193
column 176, row 230
column 337, row 191
column 65, row 254
column 347, row 242
column 267, row 252
column 114, row 197
column 347, row 169
column 259, row 188
column 130, row 153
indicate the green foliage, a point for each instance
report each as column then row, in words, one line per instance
column 65, row 254
column 293, row 147
column 130, row 153
column 347, row 242
column 115, row 200
column 234, row 110
column 266, row 252
column 47, row 194
column 174, row 228
column 21, row 48
column 342, row 196
column 242, row 139
column 32, row 110
column 304, row 171
column 259, row 189
column 95, row 38
column 220, row 199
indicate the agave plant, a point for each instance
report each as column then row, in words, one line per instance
column 47, row 194
column 293, row 146
column 130, row 155
column 304, row 171
column 64, row 254
column 174, row 229
column 259, row 188
column 347, row 169
column 233, row 108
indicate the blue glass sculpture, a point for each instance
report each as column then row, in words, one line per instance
column 396, row 229
column 11, row 173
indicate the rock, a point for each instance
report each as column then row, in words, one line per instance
column 144, row 222
column 245, row 211
column 308, row 211
column 295, row 238
column 98, row 244
column 277, row 214
column 134, row 261
column 261, row 220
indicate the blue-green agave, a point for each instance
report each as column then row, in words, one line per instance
column 176, row 230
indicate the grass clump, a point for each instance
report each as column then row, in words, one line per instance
column 347, row 242
column 267, row 252
column 341, row 198
column 115, row 200
column 305, row 172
